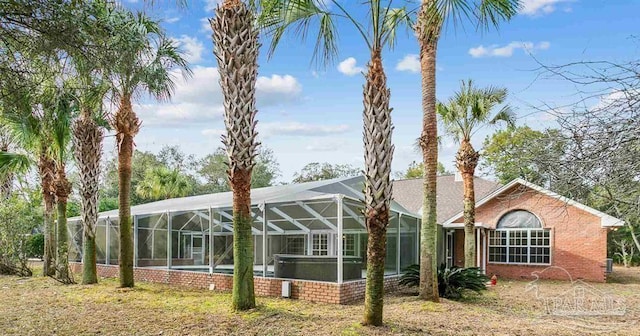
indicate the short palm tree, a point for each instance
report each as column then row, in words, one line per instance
column 61, row 112
column 235, row 39
column 33, row 139
column 469, row 110
column 432, row 18
column 141, row 62
column 280, row 15
column 161, row 183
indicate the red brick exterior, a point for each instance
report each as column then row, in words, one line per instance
column 578, row 242
column 314, row 291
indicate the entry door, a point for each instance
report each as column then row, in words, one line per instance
column 197, row 250
column 449, row 248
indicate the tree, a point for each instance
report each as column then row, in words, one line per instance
column 536, row 156
column 432, row 17
column 161, row 183
column 213, row 170
column 87, row 141
column 383, row 23
column 61, row 116
column 7, row 177
column 141, row 62
column 416, row 170
column 33, row 137
column 316, row 171
column 235, row 40
column 465, row 113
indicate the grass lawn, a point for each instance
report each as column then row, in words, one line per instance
column 41, row 306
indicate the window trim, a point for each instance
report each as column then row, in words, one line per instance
column 528, row 246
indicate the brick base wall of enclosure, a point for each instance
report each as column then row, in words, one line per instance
column 314, row 291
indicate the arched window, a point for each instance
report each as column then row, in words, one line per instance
column 519, row 239
column 519, row 219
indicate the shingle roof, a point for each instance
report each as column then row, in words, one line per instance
column 450, row 192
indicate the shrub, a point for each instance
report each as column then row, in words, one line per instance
column 35, row 246
column 452, row 282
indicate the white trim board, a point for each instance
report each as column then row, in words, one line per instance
column 605, row 220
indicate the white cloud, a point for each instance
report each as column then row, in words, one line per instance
column 172, row 19
column 349, row 68
column 410, row 63
column 299, row 129
column 210, row 5
column 541, row 7
column 214, row 133
column 326, row 146
column 192, row 48
column 507, row 50
column 205, row 26
column 199, row 98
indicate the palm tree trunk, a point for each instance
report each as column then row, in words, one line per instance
column 87, row 136
column 429, row 146
column 467, row 160
column 378, row 152
column 46, row 168
column 63, row 189
column 235, row 39
column 127, row 125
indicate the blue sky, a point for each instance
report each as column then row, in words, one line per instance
column 311, row 114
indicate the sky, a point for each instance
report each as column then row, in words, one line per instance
column 309, row 113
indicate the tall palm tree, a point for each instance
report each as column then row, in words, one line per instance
column 432, row 18
column 384, row 21
column 163, row 183
column 469, row 110
column 88, row 135
column 142, row 61
column 235, row 39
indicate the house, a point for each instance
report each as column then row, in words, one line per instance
column 311, row 239
column 520, row 228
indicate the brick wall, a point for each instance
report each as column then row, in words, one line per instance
column 578, row 242
column 314, row 291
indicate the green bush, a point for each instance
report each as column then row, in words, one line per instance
column 452, row 282
column 35, row 246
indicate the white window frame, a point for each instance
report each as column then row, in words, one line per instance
column 319, row 249
column 528, row 246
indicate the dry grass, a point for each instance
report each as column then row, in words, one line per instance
column 40, row 306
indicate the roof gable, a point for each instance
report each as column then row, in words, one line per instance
column 606, row 220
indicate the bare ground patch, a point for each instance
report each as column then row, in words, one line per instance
column 40, row 306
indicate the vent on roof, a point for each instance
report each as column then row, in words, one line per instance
column 457, row 177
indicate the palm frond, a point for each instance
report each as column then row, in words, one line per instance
column 490, row 13
column 14, row 163
column 279, row 16
column 395, row 18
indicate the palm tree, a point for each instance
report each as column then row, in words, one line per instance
column 33, row 147
column 464, row 114
column 432, row 17
column 162, row 183
column 88, row 135
column 235, row 39
column 142, row 61
column 6, row 178
column 60, row 126
column 280, row 15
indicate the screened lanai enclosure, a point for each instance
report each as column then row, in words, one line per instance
column 312, row 231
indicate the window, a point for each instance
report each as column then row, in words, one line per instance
column 295, row 245
column 349, row 245
column 519, row 239
column 320, row 244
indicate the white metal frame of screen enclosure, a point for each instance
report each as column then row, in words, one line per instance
column 296, row 239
